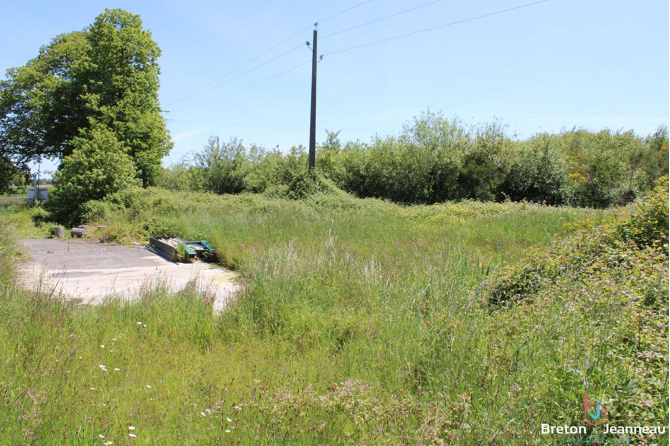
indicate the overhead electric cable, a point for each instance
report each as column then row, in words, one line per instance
column 437, row 27
column 380, row 19
column 236, row 77
column 245, row 89
column 202, row 89
column 342, row 12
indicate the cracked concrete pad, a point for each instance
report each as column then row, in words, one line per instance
column 87, row 273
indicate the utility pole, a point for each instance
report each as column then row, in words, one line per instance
column 312, row 119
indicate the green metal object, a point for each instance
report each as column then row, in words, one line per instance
column 169, row 247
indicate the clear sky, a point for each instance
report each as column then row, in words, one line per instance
column 552, row 65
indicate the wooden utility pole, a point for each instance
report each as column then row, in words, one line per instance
column 312, row 119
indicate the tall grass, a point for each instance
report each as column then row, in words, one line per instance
column 360, row 322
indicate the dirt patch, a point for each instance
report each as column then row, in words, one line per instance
column 87, row 273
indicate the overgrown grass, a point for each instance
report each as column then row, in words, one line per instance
column 360, row 322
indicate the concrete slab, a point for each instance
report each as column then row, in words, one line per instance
column 86, row 272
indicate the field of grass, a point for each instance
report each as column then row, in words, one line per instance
column 360, row 322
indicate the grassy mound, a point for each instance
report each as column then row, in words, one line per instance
column 598, row 299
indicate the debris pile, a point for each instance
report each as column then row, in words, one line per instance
column 181, row 250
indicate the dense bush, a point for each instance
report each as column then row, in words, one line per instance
column 222, row 167
column 589, row 249
column 435, row 159
column 606, row 286
column 98, row 166
column 537, row 172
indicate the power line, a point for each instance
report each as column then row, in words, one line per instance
column 380, row 19
column 342, row 12
column 205, row 87
column 357, row 46
column 245, row 89
column 200, row 90
column 236, row 77
column 438, row 27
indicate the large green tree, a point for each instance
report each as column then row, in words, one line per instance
column 105, row 75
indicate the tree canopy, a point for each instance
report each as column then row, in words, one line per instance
column 105, row 75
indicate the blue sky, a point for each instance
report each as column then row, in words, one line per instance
column 553, row 65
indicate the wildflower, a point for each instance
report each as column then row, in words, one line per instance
column 102, row 346
column 132, row 428
column 228, row 431
column 113, row 339
column 139, row 323
column 203, row 414
column 132, row 435
column 108, row 443
column 117, row 369
column 208, row 411
column 229, row 420
column 92, row 388
column 148, row 386
column 145, row 325
column 237, row 408
column 101, row 436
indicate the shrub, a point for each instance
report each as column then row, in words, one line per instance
column 597, row 302
column 590, row 248
column 222, row 168
column 309, row 184
column 97, row 167
column 435, row 159
column 177, row 177
column 485, row 164
column 537, row 172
